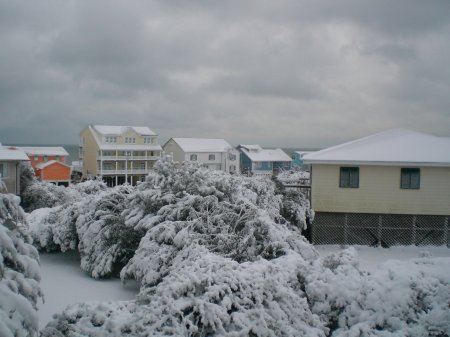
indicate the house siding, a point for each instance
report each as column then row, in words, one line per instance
column 90, row 149
column 379, row 191
column 55, row 172
column 12, row 181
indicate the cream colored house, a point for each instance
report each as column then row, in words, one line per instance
column 10, row 160
column 215, row 154
column 389, row 188
column 118, row 154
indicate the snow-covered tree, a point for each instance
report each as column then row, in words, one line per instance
column 222, row 255
column 19, row 272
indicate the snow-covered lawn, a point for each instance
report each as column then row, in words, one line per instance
column 370, row 258
column 64, row 283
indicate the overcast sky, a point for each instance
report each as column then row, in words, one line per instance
column 279, row 73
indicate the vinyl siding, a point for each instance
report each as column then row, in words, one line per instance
column 12, row 181
column 90, row 152
column 174, row 149
column 379, row 191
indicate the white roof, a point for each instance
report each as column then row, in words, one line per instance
column 253, row 147
column 42, row 151
column 203, row 144
column 257, row 154
column 118, row 130
column 130, row 147
column 301, row 153
column 48, row 163
column 392, row 147
column 7, row 154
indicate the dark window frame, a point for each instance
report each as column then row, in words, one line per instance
column 349, row 177
column 410, row 178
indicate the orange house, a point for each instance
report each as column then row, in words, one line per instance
column 49, row 163
column 53, row 171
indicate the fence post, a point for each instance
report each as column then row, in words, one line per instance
column 380, row 224
column 413, row 234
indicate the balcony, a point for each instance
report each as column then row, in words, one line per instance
column 114, row 158
column 123, row 171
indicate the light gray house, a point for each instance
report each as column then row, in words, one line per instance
column 9, row 169
column 215, row 154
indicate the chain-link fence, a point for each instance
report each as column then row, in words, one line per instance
column 380, row 229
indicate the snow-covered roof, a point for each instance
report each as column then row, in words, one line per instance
column 302, row 153
column 130, row 147
column 203, row 144
column 118, row 130
column 253, row 147
column 392, row 147
column 41, row 166
column 257, row 154
column 43, row 151
column 9, row 154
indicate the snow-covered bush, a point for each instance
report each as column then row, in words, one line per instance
column 221, row 255
column 38, row 194
column 401, row 298
column 292, row 177
column 106, row 243
column 19, row 273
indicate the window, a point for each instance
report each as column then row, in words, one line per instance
column 212, row 157
column 3, row 170
column 142, row 166
column 232, row 168
column 148, row 140
column 349, row 177
column 193, row 157
column 231, row 156
column 410, row 178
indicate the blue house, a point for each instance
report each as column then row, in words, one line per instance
column 258, row 161
column 297, row 160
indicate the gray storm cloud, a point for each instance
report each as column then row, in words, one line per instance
column 284, row 73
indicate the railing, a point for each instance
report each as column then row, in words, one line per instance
column 129, row 158
column 123, row 171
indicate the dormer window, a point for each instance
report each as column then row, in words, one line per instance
column 111, row 139
column 130, row 140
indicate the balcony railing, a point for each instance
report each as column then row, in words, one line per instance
column 123, row 171
column 129, row 158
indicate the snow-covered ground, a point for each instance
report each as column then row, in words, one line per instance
column 64, row 283
column 370, row 258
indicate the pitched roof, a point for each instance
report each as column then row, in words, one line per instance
column 43, row 151
column 9, row 154
column 118, row 130
column 257, row 154
column 391, row 147
column 41, row 166
column 130, row 147
column 203, row 144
